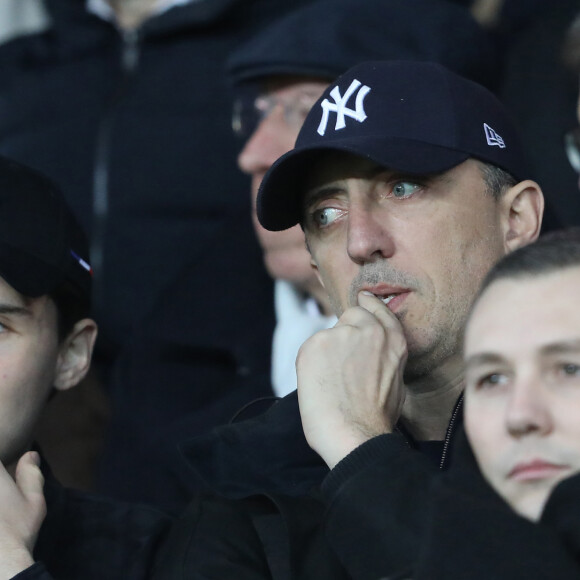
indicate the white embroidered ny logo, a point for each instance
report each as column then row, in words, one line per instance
column 339, row 106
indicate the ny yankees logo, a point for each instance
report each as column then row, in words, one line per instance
column 339, row 106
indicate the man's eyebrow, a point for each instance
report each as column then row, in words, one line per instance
column 322, row 192
column 14, row 309
column 483, row 359
column 563, row 347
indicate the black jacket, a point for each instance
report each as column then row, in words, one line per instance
column 136, row 130
column 93, row 538
column 266, row 517
column 471, row 532
column 448, row 525
column 187, row 374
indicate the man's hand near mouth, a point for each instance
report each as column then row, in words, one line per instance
column 350, row 379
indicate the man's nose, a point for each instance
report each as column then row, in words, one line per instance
column 369, row 238
column 528, row 410
column 265, row 145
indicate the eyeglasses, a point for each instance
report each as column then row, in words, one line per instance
column 572, row 147
column 248, row 112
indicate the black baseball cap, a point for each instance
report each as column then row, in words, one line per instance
column 41, row 243
column 414, row 117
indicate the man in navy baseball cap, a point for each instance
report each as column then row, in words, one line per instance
column 410, row 183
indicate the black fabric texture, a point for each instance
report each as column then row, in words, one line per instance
column 91, row 537
column 189, row 371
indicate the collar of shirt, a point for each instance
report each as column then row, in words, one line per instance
column 297, row 319
column 102, row 8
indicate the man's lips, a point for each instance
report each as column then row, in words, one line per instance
column 536, row 469
column 392, row 296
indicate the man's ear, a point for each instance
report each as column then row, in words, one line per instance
column 75, row 355
column 523, row 208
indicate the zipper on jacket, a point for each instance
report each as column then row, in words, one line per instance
column 130, row 53
column 449, row 433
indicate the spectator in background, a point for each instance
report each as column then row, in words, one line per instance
column 47, row 338
column 185, row 375
column 540, row 91
column 125, row 105
column 571, row 53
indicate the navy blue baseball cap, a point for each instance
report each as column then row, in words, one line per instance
column 409, row 116
column 41, row 243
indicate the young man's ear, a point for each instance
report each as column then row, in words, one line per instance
column 75, row 355
column 523, row 208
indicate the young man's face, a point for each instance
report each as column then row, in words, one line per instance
column 522, row 403
column 29, row 360
column 284, row 104
column 426, row 240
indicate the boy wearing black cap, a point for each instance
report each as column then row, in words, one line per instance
column 46, row 343
column 409, row 182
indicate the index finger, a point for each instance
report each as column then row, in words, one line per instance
column 378, row 309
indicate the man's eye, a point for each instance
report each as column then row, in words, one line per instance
column 404, row 189
column 491, row 380
column 571, row 369
column 325, row 216
column 295, row 115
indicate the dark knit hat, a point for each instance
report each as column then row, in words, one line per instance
column 327, row 37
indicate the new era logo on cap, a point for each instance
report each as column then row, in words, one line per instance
column 340, row 106
column 493, row 138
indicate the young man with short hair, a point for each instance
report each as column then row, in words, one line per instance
column 46, row 342
column 509, row 508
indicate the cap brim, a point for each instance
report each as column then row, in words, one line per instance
column 27, row 274
column 279, row 204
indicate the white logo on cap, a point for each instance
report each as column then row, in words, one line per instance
column 339, row 106
column 492, row 137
